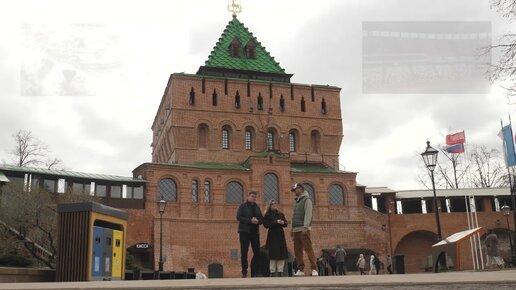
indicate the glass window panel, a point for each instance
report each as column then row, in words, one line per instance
column 195, row 191
column 61, row 185
column 310, row 190
column 116, row 191
column 77, row 188
column 234, row 192
column 49, row 185
column 207, row 192
column 167, row 190
column 336, row 195
column 270, row 188
column 100, row 190
column 138, row 192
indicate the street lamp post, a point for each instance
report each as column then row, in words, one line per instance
column 506, row 212
column 161, row 207
column 430, row 159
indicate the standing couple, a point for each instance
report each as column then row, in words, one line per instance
column 250, row 217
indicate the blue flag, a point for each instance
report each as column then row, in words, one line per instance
column 508, row 146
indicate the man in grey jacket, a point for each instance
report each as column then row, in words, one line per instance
column 301, row 227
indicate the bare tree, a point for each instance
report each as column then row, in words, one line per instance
column 505, row 69
column 479, row 168
column 31, row 216
column 30, row 151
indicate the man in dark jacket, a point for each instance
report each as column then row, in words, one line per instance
column 249, row 218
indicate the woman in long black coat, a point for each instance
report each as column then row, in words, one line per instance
column 275, row 221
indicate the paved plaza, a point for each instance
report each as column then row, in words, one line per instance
column 504, row 279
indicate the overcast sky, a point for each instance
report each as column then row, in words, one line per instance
column 86, row 77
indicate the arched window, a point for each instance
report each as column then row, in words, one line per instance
column 234, row 48
column 202, row 135
column 207, row 191
column 282, row 104
column 270, row 188
column 260, row 102
column 311, row 191
column 225, row 137
column 315, row 139
column 271, row 139
column 195, row 191
column 292, row 139
column 248, row 139
column 336, row 195
column 303, row 107
column 237, row 100
column 167, row 190
column 323, row 106
column 191, row 100
column 214, row 98
column 234, row 192
column 250, row 49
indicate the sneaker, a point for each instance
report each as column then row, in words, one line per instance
column 299, row 273
column 314, row 273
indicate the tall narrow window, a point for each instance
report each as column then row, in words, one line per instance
column 250, row 49
column 313, row 94
column 207, row 191
column 195, row 191
column 323, row 106
column 282, row 104
column 270, row 140
column 314, row 141
column 292, row 141
column 237, row 100
column 191, row 100
column 260, row 102
column 234, row 48
column 270, row 188
column 214, row 98
column 248, row 139
column 225, row 137
column 202, row 136
column 311, row 191
column 303, row 108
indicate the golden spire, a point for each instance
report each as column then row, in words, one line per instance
column 235, row 7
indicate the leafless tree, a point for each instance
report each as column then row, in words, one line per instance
column 30, row 151
column 505, row 68
column 480, row 167
column 31, row 216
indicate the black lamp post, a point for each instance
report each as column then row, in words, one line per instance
column 161, row 207
column 506, row 212
column 430, row 159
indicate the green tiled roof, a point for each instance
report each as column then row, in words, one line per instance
column 313, row 169
column 220, row 56
column 65, row 173
column 207, row 165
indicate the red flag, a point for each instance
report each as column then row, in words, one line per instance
column 457, row 138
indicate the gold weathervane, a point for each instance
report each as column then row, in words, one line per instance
column 235, row 7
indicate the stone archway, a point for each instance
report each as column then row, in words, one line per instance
column 416, row 247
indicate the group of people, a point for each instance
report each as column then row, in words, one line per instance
column 250, row 218
column 374, row 264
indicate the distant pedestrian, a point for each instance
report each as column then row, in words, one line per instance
column 377, row 264
column 389, row 264
column 275, row 221
column 361, row 264
column 492, row 250
column 333, row 264
column 340, row 258
column 372, row 268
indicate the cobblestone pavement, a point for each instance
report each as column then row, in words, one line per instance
column 505, row 279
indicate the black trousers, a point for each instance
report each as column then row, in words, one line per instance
column 342, row 270
column 254, row 240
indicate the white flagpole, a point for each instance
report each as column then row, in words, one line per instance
column 473, row 254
